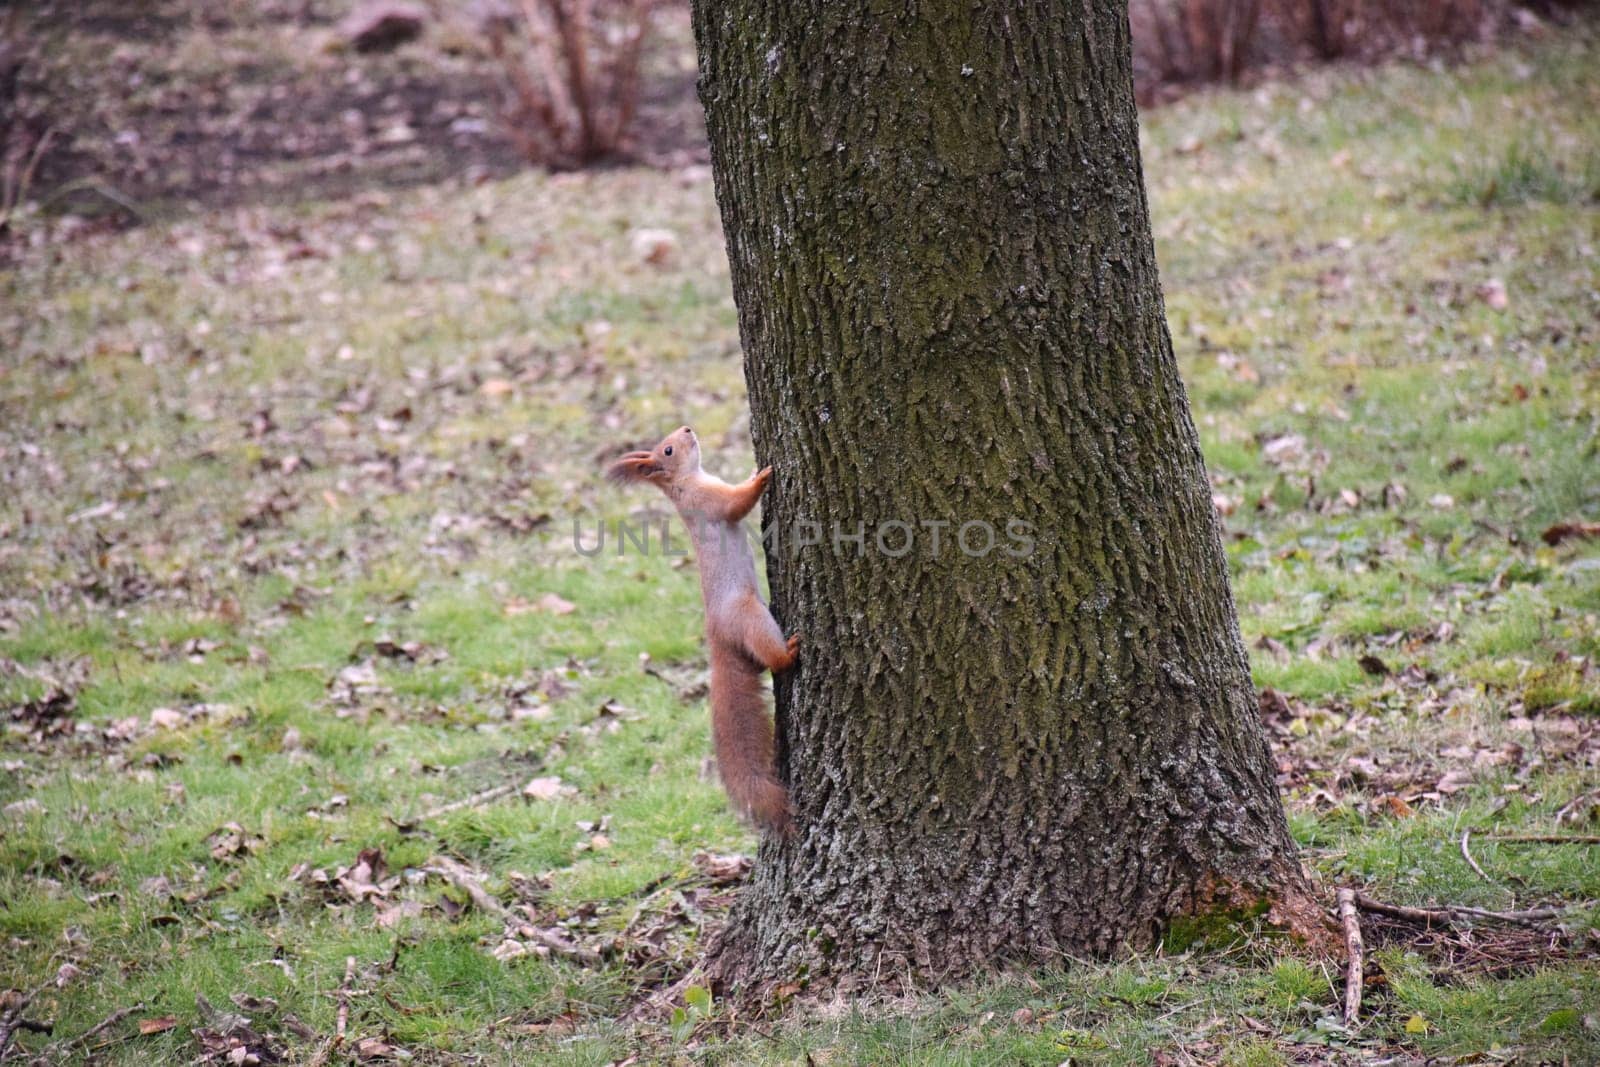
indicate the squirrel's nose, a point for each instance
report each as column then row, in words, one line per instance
column 688, row 431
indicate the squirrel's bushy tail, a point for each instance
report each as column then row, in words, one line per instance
column 742, row 736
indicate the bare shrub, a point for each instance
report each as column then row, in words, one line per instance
column 1178, row 41
column 1330, row 28
column 1431, row 21
column 1197, row 40
column 1335, row 29
column 24, row 135
column 571, row 74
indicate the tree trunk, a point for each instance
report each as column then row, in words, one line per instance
column 947, row 292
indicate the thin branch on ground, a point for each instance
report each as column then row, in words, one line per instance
column 12, row 1019
column 96, row 1030
column 1355, row 967
column 1450, row 914
column 1545, row 839
column 475, row 800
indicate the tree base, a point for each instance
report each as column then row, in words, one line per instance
column 742, row 969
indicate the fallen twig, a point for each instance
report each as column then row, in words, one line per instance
column 1526, row 917
column 463, row 879
column 96, row 1030
column 1450, row 913
column 1546, row 839
column 1401, row 911
column 1355, row 967
column 11, row 1020
column 473, row 801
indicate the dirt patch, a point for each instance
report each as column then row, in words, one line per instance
column 183, row 105
column 180, row 106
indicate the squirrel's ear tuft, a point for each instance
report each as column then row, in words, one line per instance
column 634, row 467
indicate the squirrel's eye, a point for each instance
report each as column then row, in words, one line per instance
column 669, row 450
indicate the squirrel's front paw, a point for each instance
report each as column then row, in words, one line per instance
column 793, row 645
column 764, row 475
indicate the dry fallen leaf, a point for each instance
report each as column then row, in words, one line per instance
column 655, row 247
column 1373, row 665
column 166, row 718
column 374, row 1050
column 1285, row 450
column 1493, row 293
column 362, row 880
column 232, row 841
column 547, row 788
column 722, row 869
column 1565, row 531
column 390, row 915
column 1398, row 807
column 555, row 605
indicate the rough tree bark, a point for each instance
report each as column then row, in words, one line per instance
column 947, row 293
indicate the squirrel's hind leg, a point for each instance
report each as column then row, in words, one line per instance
column 765, row 641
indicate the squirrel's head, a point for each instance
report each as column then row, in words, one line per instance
column 677, row 455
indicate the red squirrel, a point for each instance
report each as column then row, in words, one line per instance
column 744, row 637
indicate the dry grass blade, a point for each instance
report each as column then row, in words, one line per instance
column 343, row 1021
column 1466, row 854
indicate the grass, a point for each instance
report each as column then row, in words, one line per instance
column 244, row 449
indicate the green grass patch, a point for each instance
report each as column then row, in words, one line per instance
column 292, row 534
